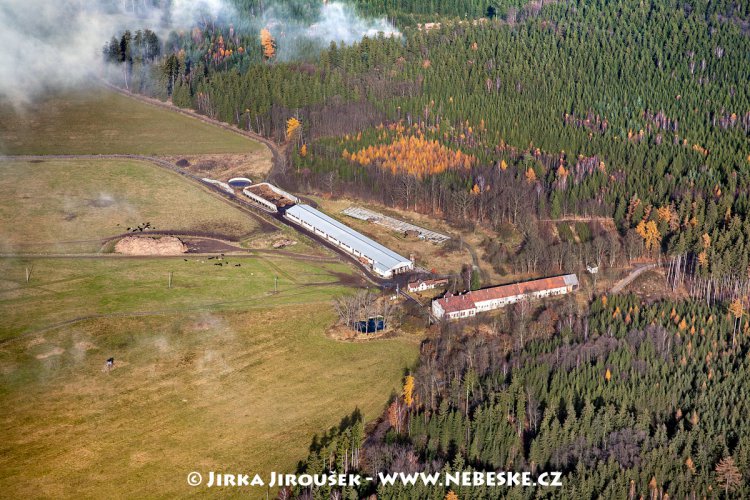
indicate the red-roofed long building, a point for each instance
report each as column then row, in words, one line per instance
column 487, row 299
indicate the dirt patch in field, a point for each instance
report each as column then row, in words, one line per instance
column 283, row 242
column 166, row 245
column 223, row 167
column 85, row 346
column 205, row 245
column 54, row 352
column 348, row 279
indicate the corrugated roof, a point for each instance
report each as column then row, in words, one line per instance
column 385, row 260
column 453, row 303
column 571, row 279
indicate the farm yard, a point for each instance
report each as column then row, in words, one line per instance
column 464, row 245
column 71, row 205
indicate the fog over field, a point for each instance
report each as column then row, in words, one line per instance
column 57, row 45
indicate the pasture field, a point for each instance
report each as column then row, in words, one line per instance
column 222, row 375
column 99, row 121
column 62, row 289
column 70, row 205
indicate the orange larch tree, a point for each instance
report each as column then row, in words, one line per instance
column 268, row 44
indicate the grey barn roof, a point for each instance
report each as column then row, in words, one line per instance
column 385, row 260
column 570, row 279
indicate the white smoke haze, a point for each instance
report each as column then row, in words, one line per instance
column 336, row 22
column 57, row 44
column 339, row 23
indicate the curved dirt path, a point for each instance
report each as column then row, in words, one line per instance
column 620, row 285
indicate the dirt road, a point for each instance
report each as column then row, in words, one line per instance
column 620, row 285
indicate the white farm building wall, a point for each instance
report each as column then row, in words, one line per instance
column 488, row 299
column 382, row 260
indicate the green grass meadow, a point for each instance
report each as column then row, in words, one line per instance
column 98, row 121
column 216, row 373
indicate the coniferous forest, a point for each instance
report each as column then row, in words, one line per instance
column 504, row 114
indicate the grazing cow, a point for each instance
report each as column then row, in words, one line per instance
column 110, row 364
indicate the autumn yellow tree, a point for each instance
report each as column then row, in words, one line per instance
column 408, row 391
column 303, row 151
column 451, row 495
column 268, row 44
column 703, row 258
column 650, row 234
column 530, row 176
column 293, row 128
column 737, row 310
column 664, row 213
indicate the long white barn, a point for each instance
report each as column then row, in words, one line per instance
column 381, row 260
column 487, row 299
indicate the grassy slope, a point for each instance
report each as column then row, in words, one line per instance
column 239, row 383
column 101, row 121
column 64, row 289
column 239, row 391
column 51, row 205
